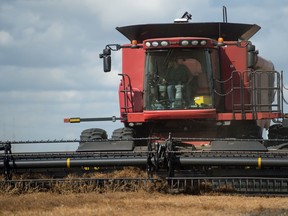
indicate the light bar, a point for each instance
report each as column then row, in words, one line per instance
column 164, row 43
column 156, row 44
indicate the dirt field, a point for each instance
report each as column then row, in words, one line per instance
column 139, row 203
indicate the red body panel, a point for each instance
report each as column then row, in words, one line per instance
column 234, row 65
column 131, row 86
column 171, row 114
column 133, row 65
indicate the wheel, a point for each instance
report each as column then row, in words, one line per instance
column 277, row 131
column 93, row 134
column 245, row 130
column 123, row 133
column 125, row 136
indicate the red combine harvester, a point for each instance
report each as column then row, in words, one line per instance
column 194, row 99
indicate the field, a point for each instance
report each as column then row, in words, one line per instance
column 70, row 200
column 138, row 203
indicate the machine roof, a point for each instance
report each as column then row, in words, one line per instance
column 229, row 31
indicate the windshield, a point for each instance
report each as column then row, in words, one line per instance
column 180, row 79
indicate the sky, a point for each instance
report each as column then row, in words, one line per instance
column 49, row 57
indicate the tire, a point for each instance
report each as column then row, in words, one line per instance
column 89, row 138
column 277, row 131
column 93, row 134
column 245, row 130
column 123, row 133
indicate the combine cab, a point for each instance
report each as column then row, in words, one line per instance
column 194, row 100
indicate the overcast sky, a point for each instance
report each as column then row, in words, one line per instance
column 49, row 56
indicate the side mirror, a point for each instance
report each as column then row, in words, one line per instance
column 106, row 51
column 251, row 56
column 106, row 55
column 107, row 63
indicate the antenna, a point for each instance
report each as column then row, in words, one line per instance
column 225, row 14
column 224, row 20
column 184, row 19
column 187, row 16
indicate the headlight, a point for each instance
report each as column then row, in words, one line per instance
column 148, row 44
column 195, row 42
column 184, row 43
column 164, row 43
column 203, row 42
column 155, row 43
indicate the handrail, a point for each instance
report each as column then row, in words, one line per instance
column 258, row 86
column 125, row 92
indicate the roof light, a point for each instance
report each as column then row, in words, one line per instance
column 220, row 41
column 184, row 43
column 164, row 43
column 195, row 42
column 134, row 43
column 203, row 42
column 155, row 43
column 148, row 44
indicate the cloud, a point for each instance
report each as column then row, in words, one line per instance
column 5, row 38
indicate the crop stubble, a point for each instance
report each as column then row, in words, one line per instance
column 65, row 201
column 139, row 203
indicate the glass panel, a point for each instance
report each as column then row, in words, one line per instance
column 178, row 79
column 214, row 54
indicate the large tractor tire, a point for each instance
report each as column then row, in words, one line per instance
column 93, row 134
column 277, row 131
column 123, row 133
column 95, row 140
column 124, row 136
column 245, row 130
